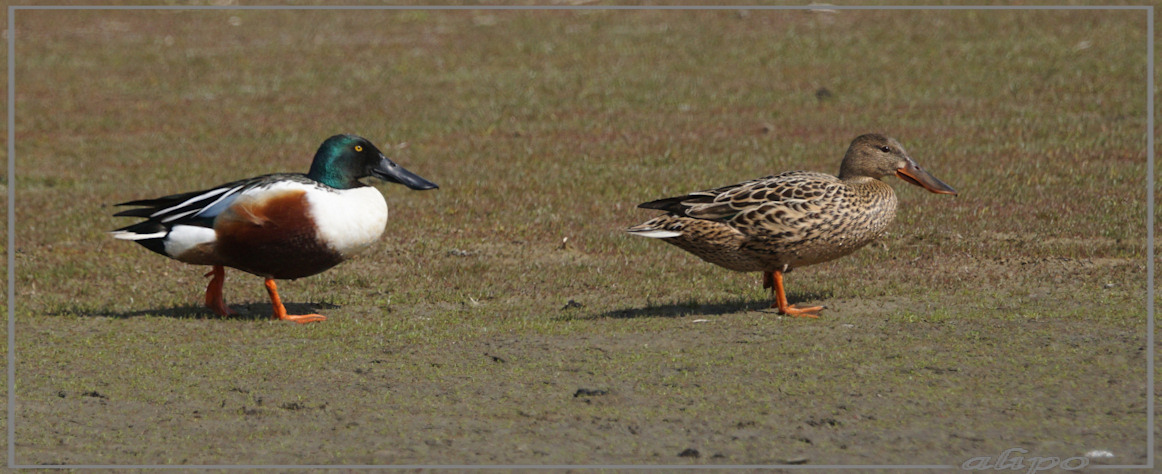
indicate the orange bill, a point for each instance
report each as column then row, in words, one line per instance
column 913, row 173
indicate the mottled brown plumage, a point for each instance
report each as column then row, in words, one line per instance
column 793, row 219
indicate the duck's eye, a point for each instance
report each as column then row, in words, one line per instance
column 359, row 148
column 886, row 149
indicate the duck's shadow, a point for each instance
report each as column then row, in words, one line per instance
column 692, row 307
column 254, row 311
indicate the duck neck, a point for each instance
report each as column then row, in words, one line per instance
column 325, row 170
column 875, row 203
column 871, row 188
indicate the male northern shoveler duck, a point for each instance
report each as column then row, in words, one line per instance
column 777, row 223
column 284, row 226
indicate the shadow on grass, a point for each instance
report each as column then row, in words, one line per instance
column 675, row 310
column 255, row 311
column 692, row 307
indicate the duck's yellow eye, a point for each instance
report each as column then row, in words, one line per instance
column 358, row 147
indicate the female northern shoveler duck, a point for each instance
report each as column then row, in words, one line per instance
column 797, row 218
column 284, row 226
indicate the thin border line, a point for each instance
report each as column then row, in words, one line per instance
column 581, row 7
column 702, row 467
column 1150, row 239
column 11, row 236
column 12, row 222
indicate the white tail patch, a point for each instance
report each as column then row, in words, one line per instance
column 183, row 238
column 656, row 233
column 126, row 235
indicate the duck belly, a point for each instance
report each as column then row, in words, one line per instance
column 830, row 240
column 712, row 241
column 725, row 245
column 295, row 231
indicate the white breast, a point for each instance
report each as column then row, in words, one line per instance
column 349, row 220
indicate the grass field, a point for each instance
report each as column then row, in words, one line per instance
column 1010, row 316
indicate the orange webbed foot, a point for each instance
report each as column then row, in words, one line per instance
column 774, row 281
column 280, row 310
column 221, row 309
column 795, row 311
column 303, row 318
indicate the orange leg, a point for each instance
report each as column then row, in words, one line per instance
column 774, row 281
column 280, row 310
column 214, row 292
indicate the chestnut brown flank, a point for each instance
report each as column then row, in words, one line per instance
column 273, row 237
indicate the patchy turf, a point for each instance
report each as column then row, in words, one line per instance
column 507, row 318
